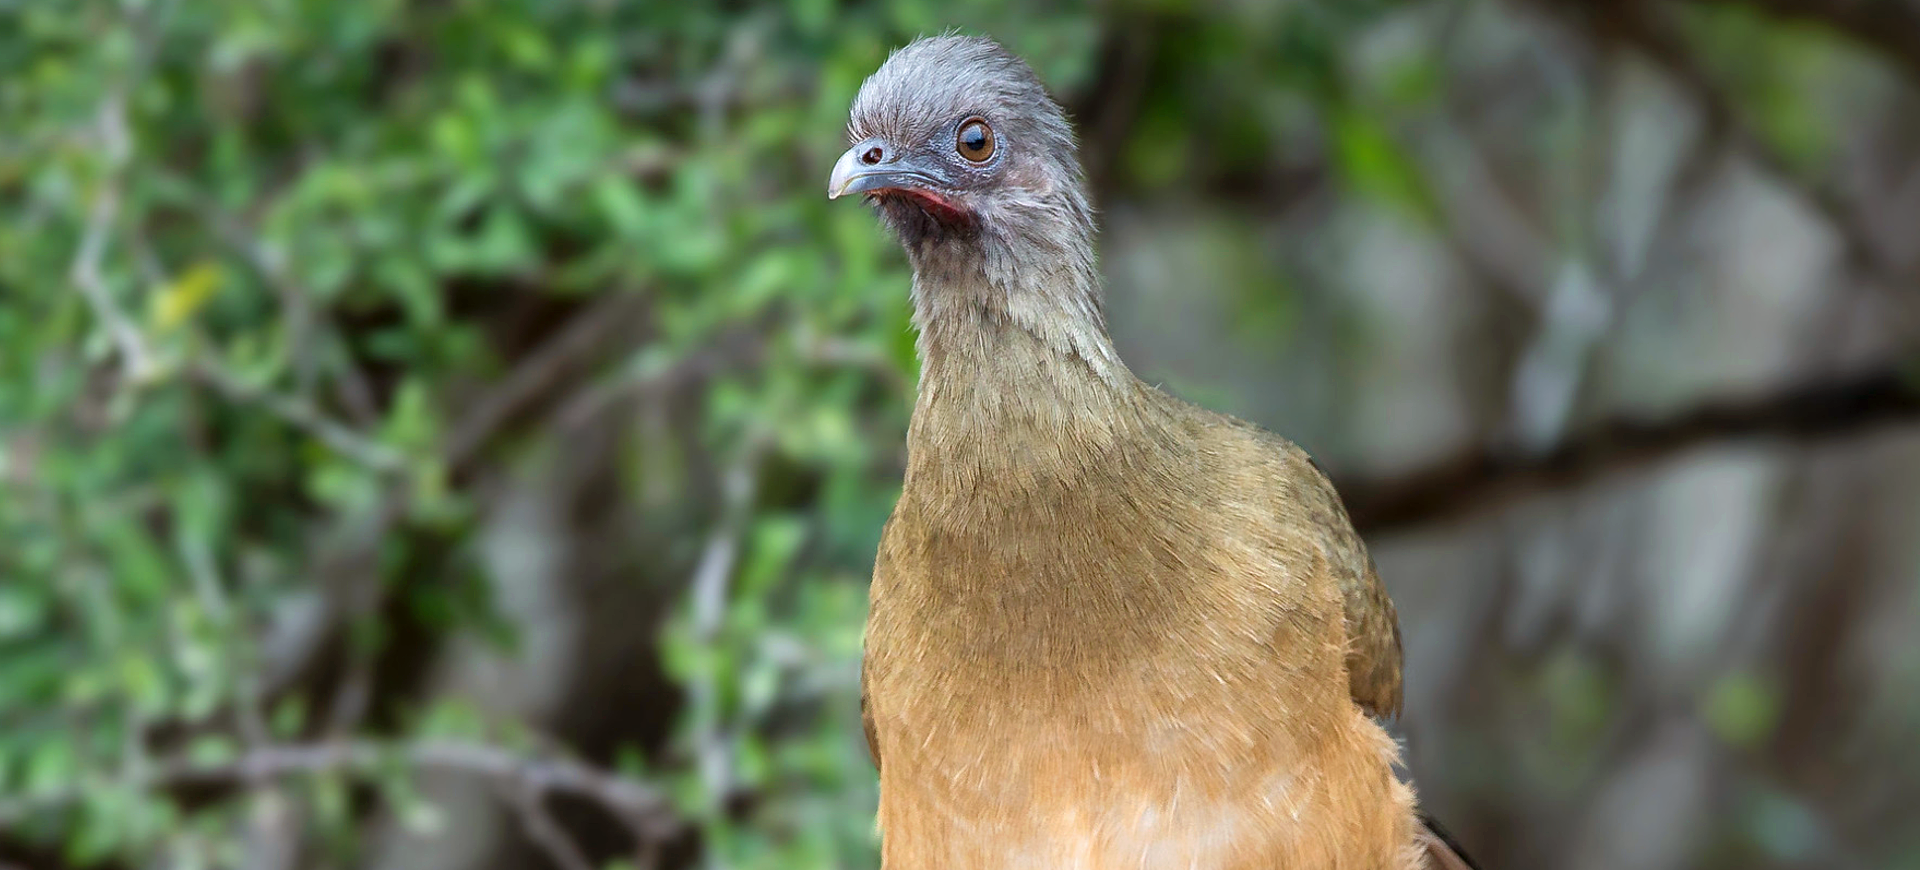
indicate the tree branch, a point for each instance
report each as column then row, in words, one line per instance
column 646, row 812
column 1110, row 106
column 116, row 142
column 1890, row 27
column 739, row 484
column 1640, row 28
column 303, row 416
column 1484, row 478
column 545, row 832
column 581, row 343
column 136, row 359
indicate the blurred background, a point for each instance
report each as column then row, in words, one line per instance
column 445, row 435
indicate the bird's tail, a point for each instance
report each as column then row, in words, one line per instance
column 1443, row 853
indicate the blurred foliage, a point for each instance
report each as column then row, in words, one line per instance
column 267, row 268
column 311, row 226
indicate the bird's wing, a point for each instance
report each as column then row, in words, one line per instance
column 1373, row 635
column 1441, row 852
column 866, row 722
column 1373, row 630
column 876, row 592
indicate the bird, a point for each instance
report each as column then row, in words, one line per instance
column 1107, row 628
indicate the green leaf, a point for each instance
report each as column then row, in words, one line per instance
column 409, row 281
column 212, row 750
column 1742, row 709
column 104, row 826
column 145, row 685
column 453, row 718
column 621, row 205
column 176, row 301
column 412, row 425
column 1375, row 165
column 51, row 767
column 288, row 718
column 24, row 611
column 772, row 544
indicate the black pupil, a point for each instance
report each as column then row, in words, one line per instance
column 974, row 138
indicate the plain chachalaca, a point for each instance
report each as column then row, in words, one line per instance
column 1109, row 629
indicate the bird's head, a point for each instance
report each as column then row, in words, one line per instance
column 955, row 140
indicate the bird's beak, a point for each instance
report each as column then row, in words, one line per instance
column 853, row 175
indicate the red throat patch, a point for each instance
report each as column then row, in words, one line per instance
column 932, row 203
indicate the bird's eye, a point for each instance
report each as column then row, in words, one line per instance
column 975, row 140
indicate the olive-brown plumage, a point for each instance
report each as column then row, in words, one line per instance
column 1109, row 629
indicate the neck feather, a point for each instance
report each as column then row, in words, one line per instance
column 1019, row 380
column 968, row 316
column 973, row 289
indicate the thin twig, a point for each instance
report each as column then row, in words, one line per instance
column 304, row 319
column 581, row 343
column 304, row 416
column 116, row 142
column 136, row 359
column 730, row 350
column 531, row 808
column 739, row 483
column 710, row 577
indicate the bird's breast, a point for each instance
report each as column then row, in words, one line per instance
column 1135, row 786
column 1115, row 701
column 1135, row 665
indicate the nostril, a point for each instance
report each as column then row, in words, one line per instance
column 872, row 155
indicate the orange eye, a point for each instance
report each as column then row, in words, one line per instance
column 975, row 140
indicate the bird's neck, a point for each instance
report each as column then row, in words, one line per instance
column 1019, row 379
